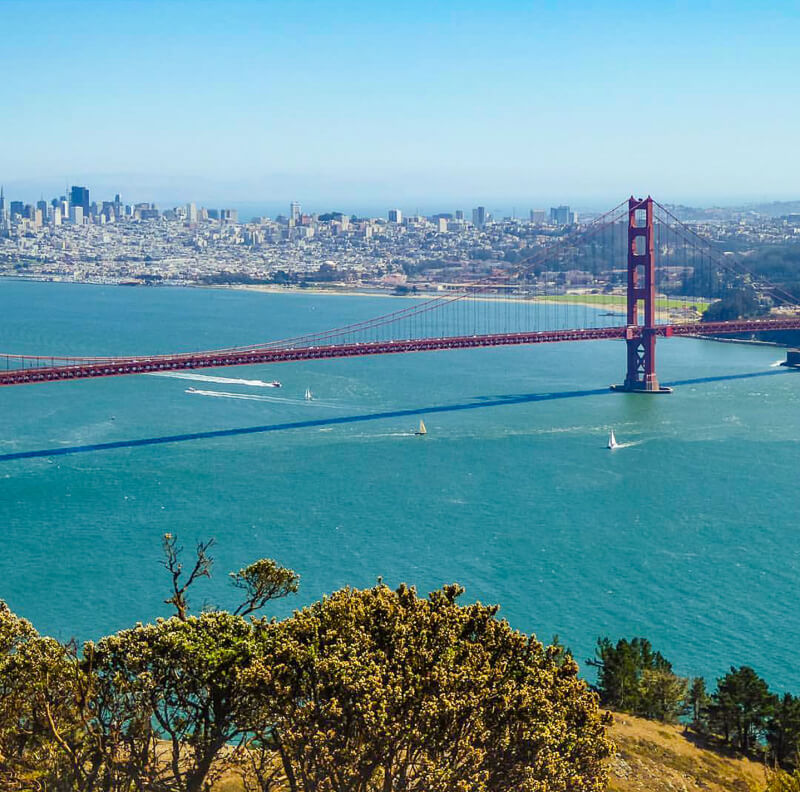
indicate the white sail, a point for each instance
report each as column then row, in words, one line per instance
column 308, row 394
column 612, row 441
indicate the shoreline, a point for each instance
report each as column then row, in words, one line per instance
column 614, row 309
column 748, row 341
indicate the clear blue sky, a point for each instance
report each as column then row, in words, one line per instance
column 410, row 103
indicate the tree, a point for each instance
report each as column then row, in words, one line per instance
column 740, row 707
column 620, row 669
column 662, row 695
column 49, row 736
column 179, row 707
column 698, row 701
column 381, row 690
column 738, row 304
column 262, row 582
column 783, row 728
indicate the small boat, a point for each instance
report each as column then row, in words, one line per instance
column 191, row 390
column 275, row 384
column 612, row 441
column 422, row 430
column 308, row 397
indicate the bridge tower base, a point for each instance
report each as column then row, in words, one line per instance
column 641, row 338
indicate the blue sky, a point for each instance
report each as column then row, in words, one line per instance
column 430, row 104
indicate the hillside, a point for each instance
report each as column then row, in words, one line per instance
column 655, row 757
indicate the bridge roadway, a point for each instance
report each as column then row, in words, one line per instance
column 111, row 367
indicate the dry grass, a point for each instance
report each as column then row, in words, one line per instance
column 655, row 757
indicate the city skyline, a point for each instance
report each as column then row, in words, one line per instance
column 363, row 106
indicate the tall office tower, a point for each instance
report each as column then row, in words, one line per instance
column 459, row 214
column 395, row 216
column 64, row 208
column 229, row 215
column 42, row 207
column 559, row 215
column 17, row 208
column 573, row 218
column 2, row 201
column 56, row 215
column 191, row 213
column 38, row 218
column 479, row 216
column 538, row 216
column 294, row 212
column 79, row 196
column 76, row 215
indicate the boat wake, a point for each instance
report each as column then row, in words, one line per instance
column 241, row 396
column 216, row 380
column 255, row 397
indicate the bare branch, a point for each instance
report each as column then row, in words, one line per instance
column 202, row 568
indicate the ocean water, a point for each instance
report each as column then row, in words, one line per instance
column 687, row 535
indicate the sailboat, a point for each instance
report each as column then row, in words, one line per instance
column 422, row 430
column 309, row 397
column 612, row 441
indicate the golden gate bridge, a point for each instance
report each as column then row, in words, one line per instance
column 640, row 243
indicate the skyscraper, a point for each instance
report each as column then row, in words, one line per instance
column 395, row 216
column 2, row 202
column 191, row 213
column 79, row 196
column 479, row 216
column 294, row 212
column 559, row 215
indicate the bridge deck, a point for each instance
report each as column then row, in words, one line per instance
column 142, row 365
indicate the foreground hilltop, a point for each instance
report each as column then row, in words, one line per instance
column 659, row 757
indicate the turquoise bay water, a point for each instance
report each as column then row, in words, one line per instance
column 687, row 535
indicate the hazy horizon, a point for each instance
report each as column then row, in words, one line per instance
column 526, row 104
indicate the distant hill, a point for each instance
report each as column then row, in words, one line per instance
column 655, row 757
column 771, row 209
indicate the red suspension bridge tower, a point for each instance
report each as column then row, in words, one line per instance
column 641, row 337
